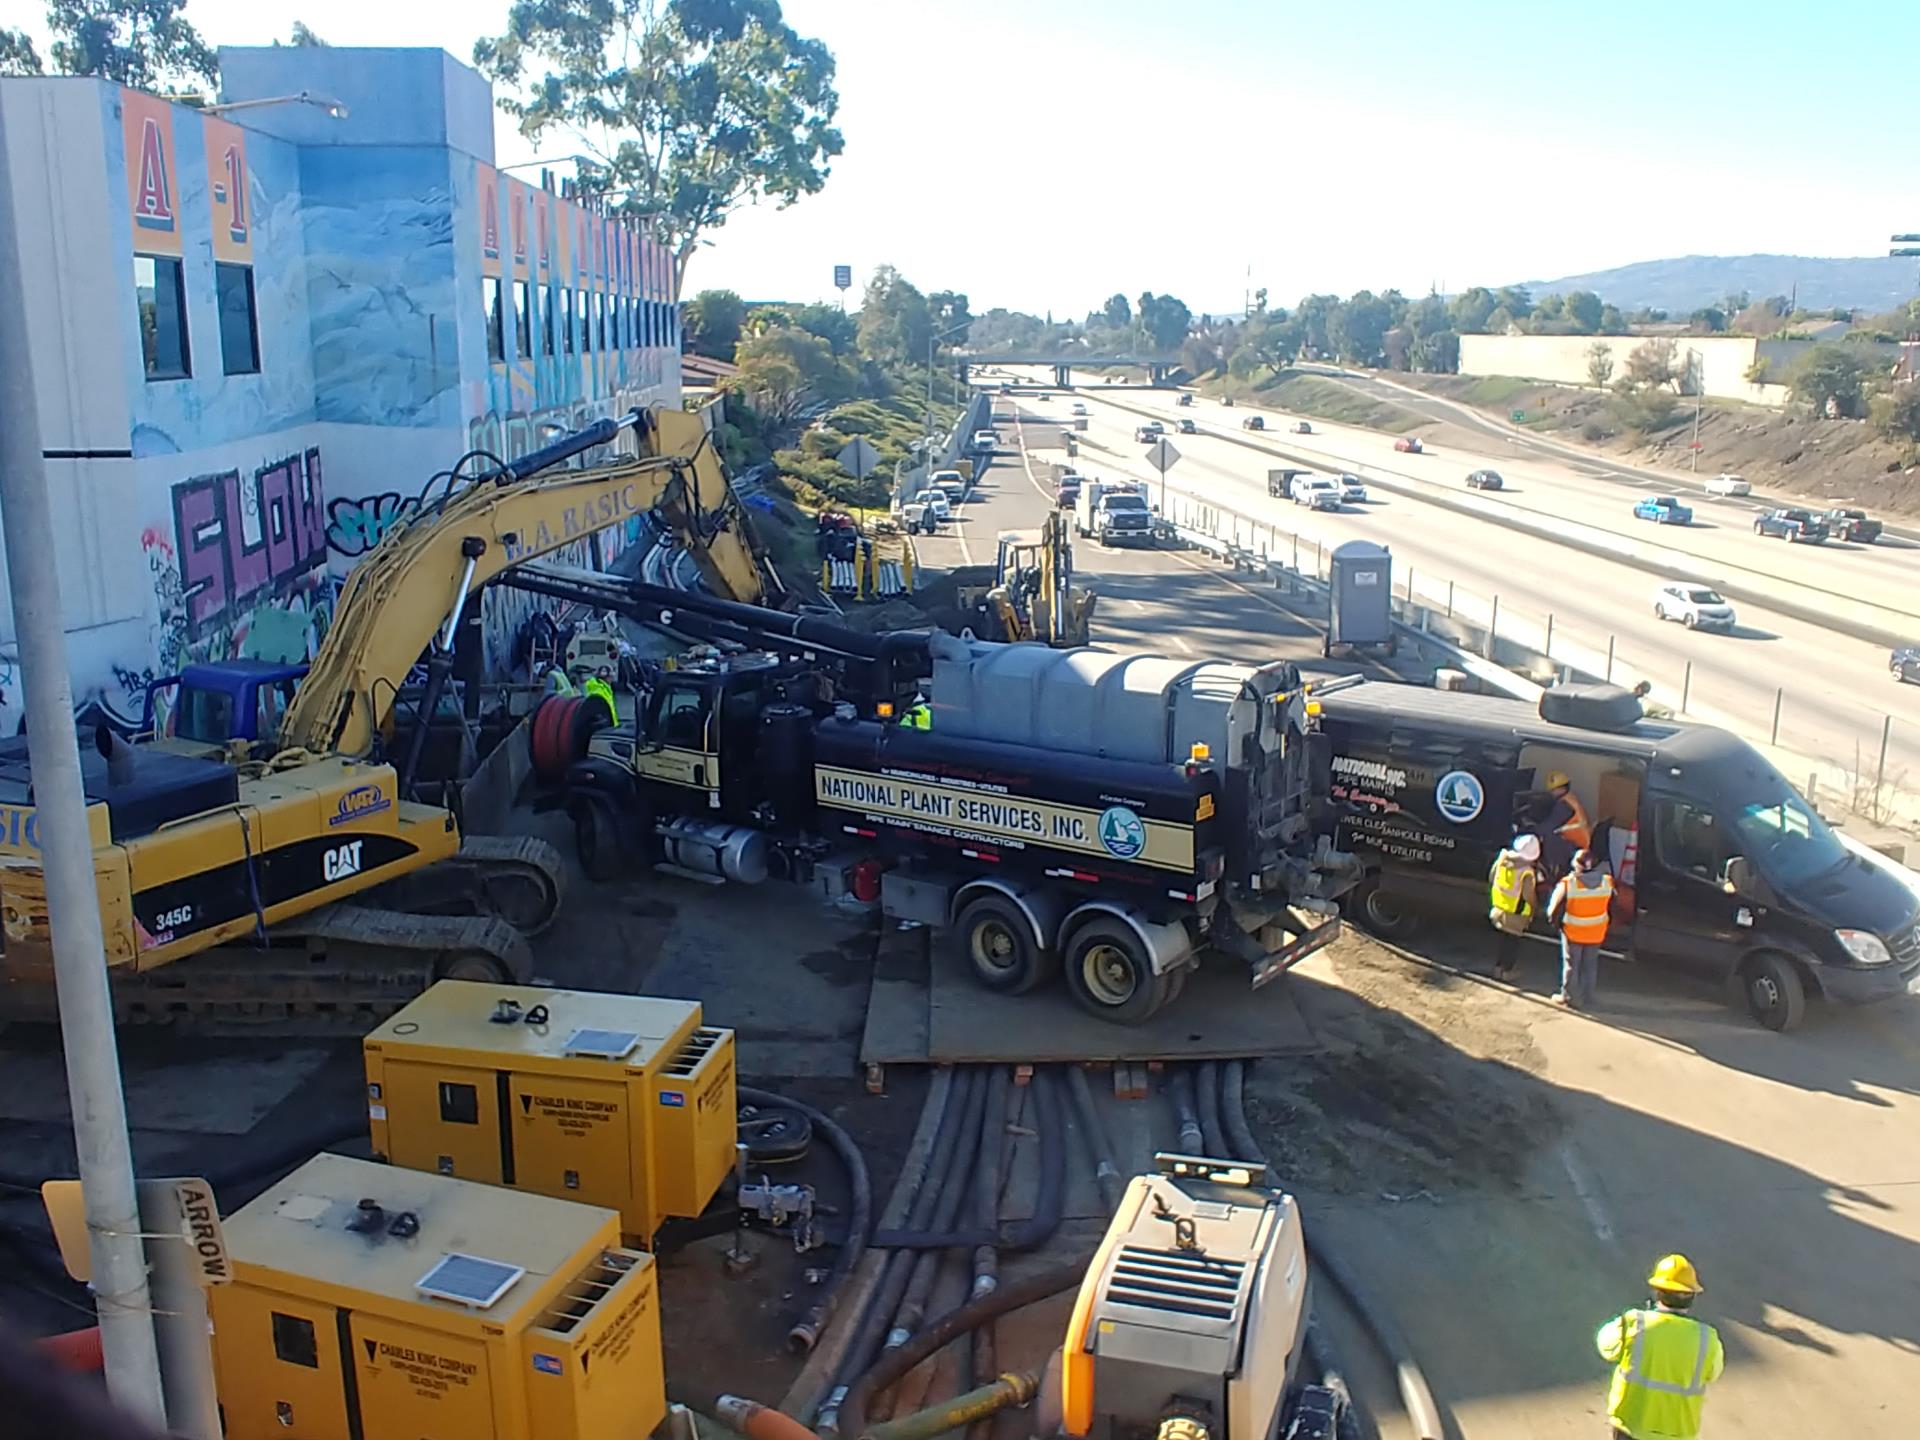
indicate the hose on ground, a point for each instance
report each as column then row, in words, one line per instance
column 1415, row 1394
column 939, row 1333
column 986, row 1258
column 1013, row 1388
column 806, row 1332
column 759, row 1422
column 1180, row 1093
column 961, row 1184
column 823, row 1367
column 1105, row 1173
column 1207, row 1083
column 1049, row 1202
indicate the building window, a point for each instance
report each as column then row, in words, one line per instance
column 546, row 321
column 566, row 319
column 602, row 307
column 633, row 324
column 160, row 287
column 239, row 320
column 618, row 305
column 496, row 332
column 522, row 320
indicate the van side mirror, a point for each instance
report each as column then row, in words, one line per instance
column 1736, row 876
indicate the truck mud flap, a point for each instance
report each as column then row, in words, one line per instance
column 1268, row 965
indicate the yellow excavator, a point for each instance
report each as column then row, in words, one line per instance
column 1033, row 596
column 264, row 873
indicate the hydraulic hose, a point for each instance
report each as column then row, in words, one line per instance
column 823, row 1367
column 1049, row 1203
column 1013, row 1388
column 986, row 1258
column 938, row 1334
column 1180, row 1092
column 1415, row 1394
column 961, row 1183
column 1105, row 1172
column 759, row 1422
column 1207, row 1083
column 806, row 1333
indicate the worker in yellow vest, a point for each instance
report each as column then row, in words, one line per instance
column 1512, row 891
column 1579, row 906
column 917, row 716
column 1663, row 1359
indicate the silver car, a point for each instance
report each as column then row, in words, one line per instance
column 1352, row 491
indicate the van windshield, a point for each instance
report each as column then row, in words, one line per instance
column 1125, row 502
column 1787, row 840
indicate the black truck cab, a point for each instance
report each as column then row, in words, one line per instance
column 1722, row 870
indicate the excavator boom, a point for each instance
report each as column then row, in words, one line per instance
column 405, row 596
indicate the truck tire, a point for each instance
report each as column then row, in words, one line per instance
column 1383, row 915
column 596, row 836
column 1776, row 996
column 997, row 944
column 1109, row 974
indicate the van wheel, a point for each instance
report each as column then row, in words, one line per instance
column 1110, row 975
column 1776, row 997
column 1385, row 915
column 596, row 837
column 998, row 945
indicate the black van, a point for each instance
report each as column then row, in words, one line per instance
column 1723, row 869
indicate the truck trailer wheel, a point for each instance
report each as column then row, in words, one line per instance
column 1384, row 915
column 1776, row 996
column 998, row 946
column 1110, row 974
column 596, row 835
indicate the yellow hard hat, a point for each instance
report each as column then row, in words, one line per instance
column 1557, row 778
column 1676, row 1273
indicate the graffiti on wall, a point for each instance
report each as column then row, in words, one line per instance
column 244, row 540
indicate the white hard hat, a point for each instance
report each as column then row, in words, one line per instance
column 1527, row 847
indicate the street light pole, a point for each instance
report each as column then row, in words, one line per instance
column 105, row 1153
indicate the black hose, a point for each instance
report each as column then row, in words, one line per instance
column 986, row 1258
column 1415, row 1394
column 807, row 1331
column 961, row 1182
column 1207, row 1083
column 1180, row 1092
column 1048, row 1204
column 1105, row 1173
column 1233, row 1112
column 938, row 1334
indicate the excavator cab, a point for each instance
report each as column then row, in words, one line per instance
column 1034, row 597
column 223, row 701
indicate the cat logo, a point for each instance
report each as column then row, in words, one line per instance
column 342, row 861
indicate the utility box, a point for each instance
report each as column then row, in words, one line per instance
column 1360, row 596
column 373, row 1303
column 616, row 1100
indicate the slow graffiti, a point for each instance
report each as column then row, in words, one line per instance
column 244, row 541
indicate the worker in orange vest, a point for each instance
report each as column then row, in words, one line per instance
column 1566, row 827
column 1579, row 905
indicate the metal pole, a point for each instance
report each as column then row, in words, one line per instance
column 99, row 1107
column 1449, row 599
column 1547, row 650
column 1886, row 734
column 1686, row 687
column 1774, row 737
column 1493, row 626
column 1610, row 640
column 1296, row 550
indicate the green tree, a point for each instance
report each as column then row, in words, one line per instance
column 1612, row 322
column 831, row 324
column 1600, row 363
column 1315, row 328
column 1707, row 320
column 304, row 37
column 948, row 308
column 762, row 318
column 147, row 44
column 688, row 109
column 1516, row 300
column 712, row 321
column 1243, row 362
column 1117, row 311
column 1896, row 413
column 1428, row 315
column 1501, row 320
column 792, row 368
column 1165, row 321
column 1832, row 378
column 895, row 323
column 17, row 55
column 1438, row 353
column 1358, row 328
column 1470, row 310
column 1584, row 309
column 1653, row 365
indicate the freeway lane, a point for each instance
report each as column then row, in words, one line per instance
column 1874, row 584
column 1838, row 693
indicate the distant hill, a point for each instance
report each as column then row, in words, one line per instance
column 1870, row 283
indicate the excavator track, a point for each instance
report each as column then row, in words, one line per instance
column 342, row 969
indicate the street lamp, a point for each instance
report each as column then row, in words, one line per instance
column 933, row 342
column 333, row 108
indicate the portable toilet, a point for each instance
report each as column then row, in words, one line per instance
column 1360, row 596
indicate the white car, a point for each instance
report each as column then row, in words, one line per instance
column 1318, row 493
column 985, row 440
column 1698, row 607
column 938, row 506
column 1352, row 491
column 1079, row 408
column 1728, row 485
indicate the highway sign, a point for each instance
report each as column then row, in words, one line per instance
column 1161, row 455
column 842, row 276
column 858, row 458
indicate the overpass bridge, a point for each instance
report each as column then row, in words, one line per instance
column 1157, row 366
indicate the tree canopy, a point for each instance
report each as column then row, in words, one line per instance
column 17, row 55
column 147, row 44
column 685, row 109
column 712, row 321
column 896, row 324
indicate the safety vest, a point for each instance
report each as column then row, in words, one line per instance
column 1583, row 916
column 1576, row 829
column 917, row 717
column 1507, row 871
column 596, row 686
column 1663, row 1365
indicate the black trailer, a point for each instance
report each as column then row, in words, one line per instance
column 1723, row 870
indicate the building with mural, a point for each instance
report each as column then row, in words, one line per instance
column 260, row 329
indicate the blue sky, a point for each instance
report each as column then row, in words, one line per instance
column 1041, row 154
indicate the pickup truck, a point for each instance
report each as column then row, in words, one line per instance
column 1854, row 525
column 1662, row 510
column 1794, row 525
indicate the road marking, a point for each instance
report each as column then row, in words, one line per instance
column 1588, row 1190
column 1181, row 642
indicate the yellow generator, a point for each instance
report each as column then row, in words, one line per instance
column 370, row 1303
column 616, row 1100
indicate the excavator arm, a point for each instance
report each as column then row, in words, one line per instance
column 406, row 596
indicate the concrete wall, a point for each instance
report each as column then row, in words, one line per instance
column 1718, row 363
column 213, row 515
